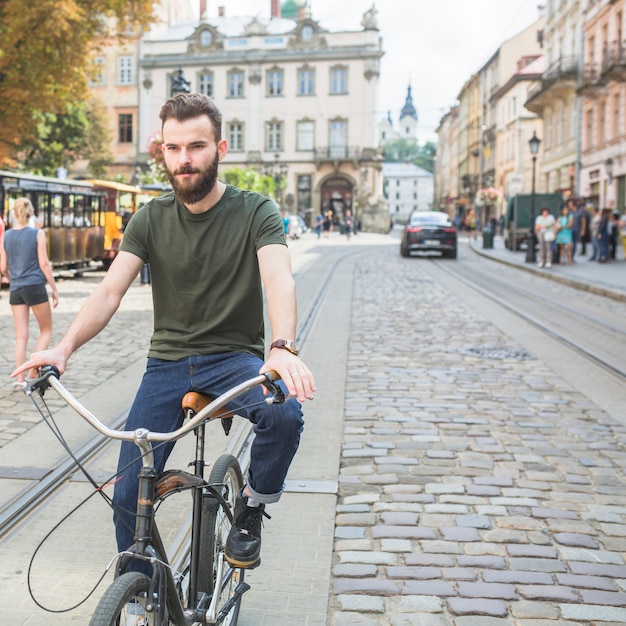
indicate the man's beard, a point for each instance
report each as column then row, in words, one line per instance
column 189, row 191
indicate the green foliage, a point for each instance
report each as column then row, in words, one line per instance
column 79, row 132
column 251, row 180
column 408, row 150
column 45, row 48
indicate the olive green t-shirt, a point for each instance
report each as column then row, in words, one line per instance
column 206, row 287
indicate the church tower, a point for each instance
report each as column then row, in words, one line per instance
column 408, row 118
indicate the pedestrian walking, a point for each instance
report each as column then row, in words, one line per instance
column 544, row 230
column 593, row 232
column 579, row 224
column 24, row 260
column 319, row 224
column 348, row 223
column 564, row 236
column 213, row 251
column 603, row 235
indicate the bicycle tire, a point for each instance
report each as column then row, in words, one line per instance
column 215, row 528
column 112, row 608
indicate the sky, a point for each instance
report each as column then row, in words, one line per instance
column 435, row 45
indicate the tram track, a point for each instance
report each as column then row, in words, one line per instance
column 32, row 498
column 562, row 316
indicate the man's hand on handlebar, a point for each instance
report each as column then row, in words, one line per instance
column 294, row 373
column 54, row 357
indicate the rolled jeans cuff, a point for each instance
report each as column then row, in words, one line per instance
column 263, row 498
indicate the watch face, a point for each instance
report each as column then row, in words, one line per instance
column 206, row 37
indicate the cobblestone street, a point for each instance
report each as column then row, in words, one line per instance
column 469, row 486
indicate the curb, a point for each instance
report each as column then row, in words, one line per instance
column 607, row 292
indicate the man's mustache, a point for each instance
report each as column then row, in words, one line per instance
column 186, row 169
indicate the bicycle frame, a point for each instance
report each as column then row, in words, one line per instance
column 163, row 598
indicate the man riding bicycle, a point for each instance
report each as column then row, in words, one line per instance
column 212, row 248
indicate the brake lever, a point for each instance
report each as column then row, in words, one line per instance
column 277, row 394
column 42, row 383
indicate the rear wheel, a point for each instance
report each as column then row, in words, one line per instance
column 215, row 528
column 125, row 598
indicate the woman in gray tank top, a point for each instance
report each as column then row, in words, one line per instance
column 23, row 257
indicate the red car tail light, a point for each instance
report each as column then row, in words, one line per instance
column 449, row 230
column 414, row 229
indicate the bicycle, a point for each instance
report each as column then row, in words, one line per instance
column 205, row 589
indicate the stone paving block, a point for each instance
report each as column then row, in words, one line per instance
column 593, row 556
column 424, row 559
column 377, row 558
column 576, row 540
column 553, row 593
column 513, row 577
column 482, row 561
column 415, row 604
column 407, row 572
column 355, row 570
column 353, row 619
column 531, row 550
column 594, row 596
column 372, row 586
column 590, row 582
column 537, row 565
column 589, row 613
column 529, row 610
column 432, row 587
column 456, row 533
column 361, row 604
column 597, row 569
column 474, row 606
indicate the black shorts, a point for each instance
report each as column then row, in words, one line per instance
column 29, row 295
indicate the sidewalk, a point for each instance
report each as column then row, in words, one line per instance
column 607, row 279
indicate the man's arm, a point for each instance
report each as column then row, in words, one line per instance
column 280, row 293
column 93, row 316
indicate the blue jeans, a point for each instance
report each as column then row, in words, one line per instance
column 157, row 406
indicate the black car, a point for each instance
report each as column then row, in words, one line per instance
column 429, row 231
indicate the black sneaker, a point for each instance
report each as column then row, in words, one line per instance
column 243, row 546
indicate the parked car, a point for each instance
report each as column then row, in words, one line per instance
column 297, row 226
column 429, row 231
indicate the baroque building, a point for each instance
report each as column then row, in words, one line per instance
column 298, row 100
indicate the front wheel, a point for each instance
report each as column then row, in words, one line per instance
column 126, row 597
column 215, row 528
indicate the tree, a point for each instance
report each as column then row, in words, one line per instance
column 80, row 132
column 408, row 150
column 45, row 49
column 251, row 180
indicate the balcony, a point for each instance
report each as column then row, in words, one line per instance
column 591, row 83
column 614, row 62
column 339, row 154
column 558, row 81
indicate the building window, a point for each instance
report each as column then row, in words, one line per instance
column 338, row 138
column 235, row 137
column 97, row 77
column 235, row 84
column 205, row 84
column 274, row 137
column 275, row 82
column 339, row 80
column 306, row 135
column 306, row 82
column 125, row 70
column 125, row 128
column 304, row 192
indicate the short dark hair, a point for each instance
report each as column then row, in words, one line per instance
column 186, row 106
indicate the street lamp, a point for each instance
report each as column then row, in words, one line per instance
column 534, row 143
column 178, row 83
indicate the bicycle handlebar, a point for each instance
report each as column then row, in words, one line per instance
column 49, row 377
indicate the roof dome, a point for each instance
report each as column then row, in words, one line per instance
column 290, row 9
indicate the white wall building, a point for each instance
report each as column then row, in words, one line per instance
column 408, row 188
column 291, row 93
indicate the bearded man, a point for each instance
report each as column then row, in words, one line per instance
column 212, row 248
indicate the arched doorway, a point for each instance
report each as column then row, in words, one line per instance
column 337, row 196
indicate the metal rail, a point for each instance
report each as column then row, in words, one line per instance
column 598, row 360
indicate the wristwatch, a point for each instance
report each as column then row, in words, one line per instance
column 286, row 344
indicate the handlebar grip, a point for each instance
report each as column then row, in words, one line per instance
column 49, row 370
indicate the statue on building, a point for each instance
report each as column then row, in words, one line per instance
column 179, row 83
column 370, row 21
